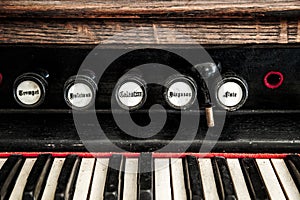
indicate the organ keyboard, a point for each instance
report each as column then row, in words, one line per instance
column 146, row 176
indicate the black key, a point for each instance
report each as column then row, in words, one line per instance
column 145, row 177
column 114, row 177
column 9, row 173
column 293, row 164
column 223, row 179
column 37, row 178
column 254, row 181
column 193, row 178
column 67, row 178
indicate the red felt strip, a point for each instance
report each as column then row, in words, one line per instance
column 155, row 155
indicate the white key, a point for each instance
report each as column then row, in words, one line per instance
column 99, row 179
column 179, row 192
column 162, row 179
column 2, row 161
column 84, row 178
column 238, row 179
column 17, row 192
column 285, row 179
column 130, row 179
column 208, row 179
column 50, row 187
column 270, row 179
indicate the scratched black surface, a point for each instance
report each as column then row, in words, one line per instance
column 241, row 133
column 268, row 122
column 252, row 64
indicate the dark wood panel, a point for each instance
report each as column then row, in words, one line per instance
column 79, row 32
column 149, row 9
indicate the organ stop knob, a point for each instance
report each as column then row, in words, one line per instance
column 131, row 92
column 80, row 92
column 231, row 92
column 30, row 89
column 180, row 92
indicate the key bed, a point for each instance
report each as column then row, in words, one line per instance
column 146, row 176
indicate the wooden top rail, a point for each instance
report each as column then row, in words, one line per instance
column 149, row 9
column 83, row 22
column 91, row 32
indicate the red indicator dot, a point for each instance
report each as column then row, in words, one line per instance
column 273, row 79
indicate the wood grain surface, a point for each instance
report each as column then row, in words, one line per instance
column 80, row 22
column 149, row 9
column 149, row 32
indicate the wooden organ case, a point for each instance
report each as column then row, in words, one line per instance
column 253, row 148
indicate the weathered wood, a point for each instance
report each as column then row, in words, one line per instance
column 207, row 22
column 87, row 32
column 149, row 9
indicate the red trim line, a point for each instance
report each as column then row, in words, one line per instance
column 155, row 155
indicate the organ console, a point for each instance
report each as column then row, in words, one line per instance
column 148, row 113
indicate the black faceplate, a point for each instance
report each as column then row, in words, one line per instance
column 252, row 64
column 269, row 120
